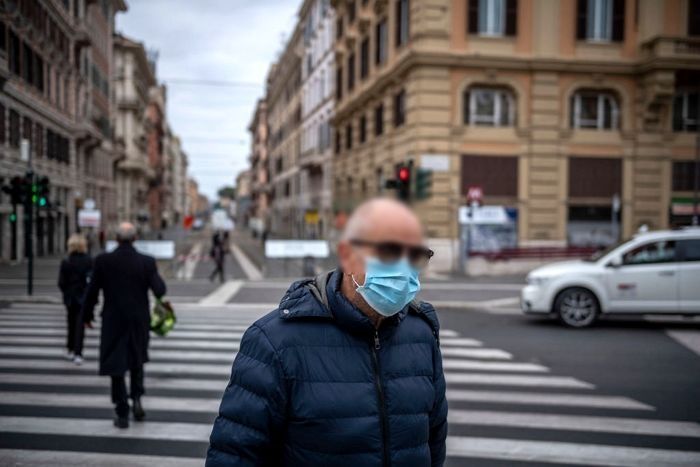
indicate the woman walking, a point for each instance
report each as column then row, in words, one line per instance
column 72, row 280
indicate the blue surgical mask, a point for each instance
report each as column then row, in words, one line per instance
column 388, row 287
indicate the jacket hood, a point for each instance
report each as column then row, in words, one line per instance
column 303, row 300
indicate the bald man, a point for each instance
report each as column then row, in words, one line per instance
column 125, row 277
column 347, row 371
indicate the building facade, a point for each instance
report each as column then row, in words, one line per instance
column 134, row 77
column 257, row 178
column 54, row 79
column 178, row 167
column 156, row 127
column 244, row 203
column 578, row 117
column 283, row 98
column 317, row 19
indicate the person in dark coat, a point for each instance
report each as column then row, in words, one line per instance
column 348, row 370
column 125, row 277
column 73, row 277
column 218, row 251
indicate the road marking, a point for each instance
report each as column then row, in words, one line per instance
column 470, row 286
column 633, row 426
column 42, row 458
column 250, row 269
column 88, row 427
column 187, row 268
column 222, row 294
column 516, row 380
column 102, row 382
column 460, row 342
column 690, row 339
column 477, row 365
column 44, row 399
column 495, row 354
column 540, row 452
column 156, row 343
column 549, row 399
column 90, row 364
column 173, row 335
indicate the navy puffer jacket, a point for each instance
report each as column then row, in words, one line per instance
column 312, row 385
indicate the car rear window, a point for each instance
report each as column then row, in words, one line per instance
column 690, row 249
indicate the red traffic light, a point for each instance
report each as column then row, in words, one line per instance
column 404, row 174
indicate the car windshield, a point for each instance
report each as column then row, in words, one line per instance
column 603, row 251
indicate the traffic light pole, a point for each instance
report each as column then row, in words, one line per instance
column 29, row 217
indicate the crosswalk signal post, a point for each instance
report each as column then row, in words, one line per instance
column 403, row 181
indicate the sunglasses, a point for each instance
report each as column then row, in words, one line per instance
column 390, row 252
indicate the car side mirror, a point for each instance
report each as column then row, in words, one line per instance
column 615, row 262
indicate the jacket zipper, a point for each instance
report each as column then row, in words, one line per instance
column 380, row 397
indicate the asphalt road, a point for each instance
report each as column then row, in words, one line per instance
column 521, row 390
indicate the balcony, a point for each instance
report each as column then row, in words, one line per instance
column 674, row 49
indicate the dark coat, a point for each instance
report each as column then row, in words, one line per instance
column 124, row 276
column 73, row 278
column 309, row 387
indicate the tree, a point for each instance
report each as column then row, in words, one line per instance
column 227, row 192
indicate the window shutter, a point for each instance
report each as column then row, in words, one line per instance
column 694, row 18
column 473, row 16
column 581, row 19
column 465, row 107
column 511, row 17
column 618, row 21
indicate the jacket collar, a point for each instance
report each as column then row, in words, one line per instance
column 301, row 302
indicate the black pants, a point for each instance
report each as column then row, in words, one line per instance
column 120, row 398
column 74, row 335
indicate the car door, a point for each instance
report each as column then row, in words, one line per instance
column 646, row 280
column 689, row 275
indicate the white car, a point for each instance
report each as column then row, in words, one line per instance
column 654, row 273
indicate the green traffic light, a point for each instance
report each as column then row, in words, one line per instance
column 13, row 217
column 34, row 199
column 42, row 202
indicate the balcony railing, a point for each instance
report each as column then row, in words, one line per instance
column 671, row 47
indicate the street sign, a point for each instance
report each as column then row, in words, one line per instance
column 24, row 153
column 296, row 248
column 89, row 204
column 435, row 162
column 485, row 215
column 89, row 218
column 159, row 249
column 475, row 194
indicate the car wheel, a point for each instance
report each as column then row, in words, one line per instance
column 576, row 307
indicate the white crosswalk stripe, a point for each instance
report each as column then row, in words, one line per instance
column 500, row 408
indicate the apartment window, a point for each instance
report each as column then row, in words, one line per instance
column 380, row 49
column 595, row 110
column 348, row 136
column 693, row 18
column 364, row 58
column 338, row 142
column 400, row 108
column 352, row 11
column 351, row 71
column 2, row 124
column 489, row 107
column 27, row 63
column 402, row 22
column 339, row 28
column 379, row 120
column 683, row 176
column 38, row 140
column 3, row 36
column 27, row 127
column 14, row 129
column 363, row 129
column 15, row 51
column 686, row 110
column 493, row 17
column 600, row 20
column 339, row 83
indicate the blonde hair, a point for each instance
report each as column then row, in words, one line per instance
column 77, row 244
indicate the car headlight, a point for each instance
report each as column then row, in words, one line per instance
column 537, row 280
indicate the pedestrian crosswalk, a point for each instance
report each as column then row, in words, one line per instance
column 501, row 409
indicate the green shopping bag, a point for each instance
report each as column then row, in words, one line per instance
column 162, row 317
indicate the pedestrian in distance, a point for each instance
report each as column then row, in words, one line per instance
column 124, row 276
column 348, row 370
column 73, row 278
column 219, row 248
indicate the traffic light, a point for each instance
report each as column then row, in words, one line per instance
column 403, row 181
column 42, row 192
column 424, row 182
column 17, row 190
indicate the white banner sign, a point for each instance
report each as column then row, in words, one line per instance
column 296, row 248
column 492, row 215
column 89, row 218
column 159, row 249
column 435, row 162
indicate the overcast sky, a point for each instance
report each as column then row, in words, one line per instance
column 211, row 40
